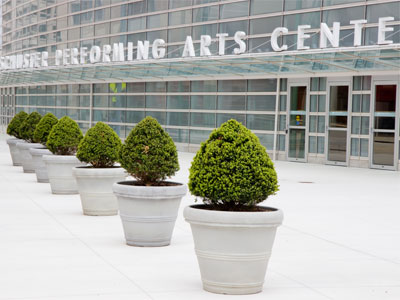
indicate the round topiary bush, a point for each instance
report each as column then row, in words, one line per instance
column 64, row 137
column 28, row 126
column 149, row 153
column 15, row 124
column 43, row 128
column 100, row 146
column 232, row 170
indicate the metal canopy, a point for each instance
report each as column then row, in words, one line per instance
column 319, row 62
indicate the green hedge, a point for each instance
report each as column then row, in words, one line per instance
column 232, row 170
column 64, row 137
column 43, row 128
column 15, row 124
column 28, row 126
column 100, row 146
column 149, row 153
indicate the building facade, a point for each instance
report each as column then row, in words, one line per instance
column 325, row 92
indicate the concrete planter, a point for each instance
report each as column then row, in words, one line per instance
column 148, row 213
column 38, row 163
column 59, row 170
column 233, row 248
column 95, row 189
column 26, row 157
column 15, row 155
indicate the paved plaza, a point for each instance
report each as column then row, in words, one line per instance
column 340, row 240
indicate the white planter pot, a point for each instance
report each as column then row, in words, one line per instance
column 15, row 155
column 233, row 248
column 148, row 213
column 59, row 170
column 26, row 157
column 38, row 163
column 95, row 189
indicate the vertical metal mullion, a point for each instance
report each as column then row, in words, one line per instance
column 278, row 88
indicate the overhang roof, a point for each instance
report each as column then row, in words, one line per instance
column 316, row 62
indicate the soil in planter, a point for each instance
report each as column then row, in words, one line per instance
column 162, row 183
column 243, row 208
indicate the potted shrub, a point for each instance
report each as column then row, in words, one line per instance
column 26, row 131
column 63, row 141
column 233, row 236
column 13, row 130
column 40, row 136
column 99, row 148
column 148, row 206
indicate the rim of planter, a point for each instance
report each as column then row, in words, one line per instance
column 27, row 145
column 124, row 188
column 66, row 159
column 89, row 171
column 196, row 214
column 40, row 151
column 13, row 140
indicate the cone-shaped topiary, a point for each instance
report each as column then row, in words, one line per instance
column 149, row 153
column 15, row 124
column 100, row 146
column 28, row 126
column 64, row 137
column 43, row 128
column 232, row 170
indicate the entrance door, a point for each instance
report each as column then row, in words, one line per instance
column 338, row 112
column 297, row 123
column 384, row 127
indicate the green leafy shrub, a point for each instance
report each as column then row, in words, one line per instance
column 232, row 170
column 43, row 128
column 100, row 146
column 28, row 126
column 149, row 153
column 15, row 124
column 64, row 137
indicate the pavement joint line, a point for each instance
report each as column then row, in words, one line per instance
column 70, row 295
column 87, row 245
column 302, row 284
column 342, row 245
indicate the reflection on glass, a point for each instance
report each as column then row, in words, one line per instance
column 385, row 98
column 339, row 96
column 337, row 145
column 383, row 148
column 338, row 121
column 298, row 98
column 385, row 123
column 297, row 143
column 297, row 120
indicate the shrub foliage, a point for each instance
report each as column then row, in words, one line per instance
column 232, row 170
column 64, row 137
column 28, row 126
column 149, row 153
column 100, row 146
column 15, row 124
column 43, row 128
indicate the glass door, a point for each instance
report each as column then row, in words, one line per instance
column 338, row 120
column 297, row 123
column 384, row 127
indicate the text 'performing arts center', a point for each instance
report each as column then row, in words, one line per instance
column 316, row 80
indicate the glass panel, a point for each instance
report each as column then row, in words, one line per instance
column 232, row 85
column 222, row 118
column 366, row 103
column 203, row 102
column 262, row 85
column 385, row 98
column 313, row 124
column 356, row 105
column 339, row 98
column 178, row 135
column 264, row 25
column 204, row 14
column 343, row 15
column 297, row 143
column 364, row 125
column 321, row 144
column 204, row 86
column 261, row 122
column 321, row 103
column 282, row 103
column 267, row 140
column 383, row 148
column 297, row 120
column 153, row 101
column 264, row 103
column 239, row 9
column 355, row 125
column 199, row 136
column 301, row 4
column 178, row 118
column 135, row 101
column 178, row 102
column 321, row 124
column 355, row 147
column 312, row 144
column 202, row 120
column 231, row 102
column 134, row 116
column 337, row 145
column 281, row 142
column 282, row 123
column 313, row 103
column 387, row 123
column 159, row 115
column 364, row 147
column 264, row 7
column 298, row 98
column 292, row 21
column 314, row 84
